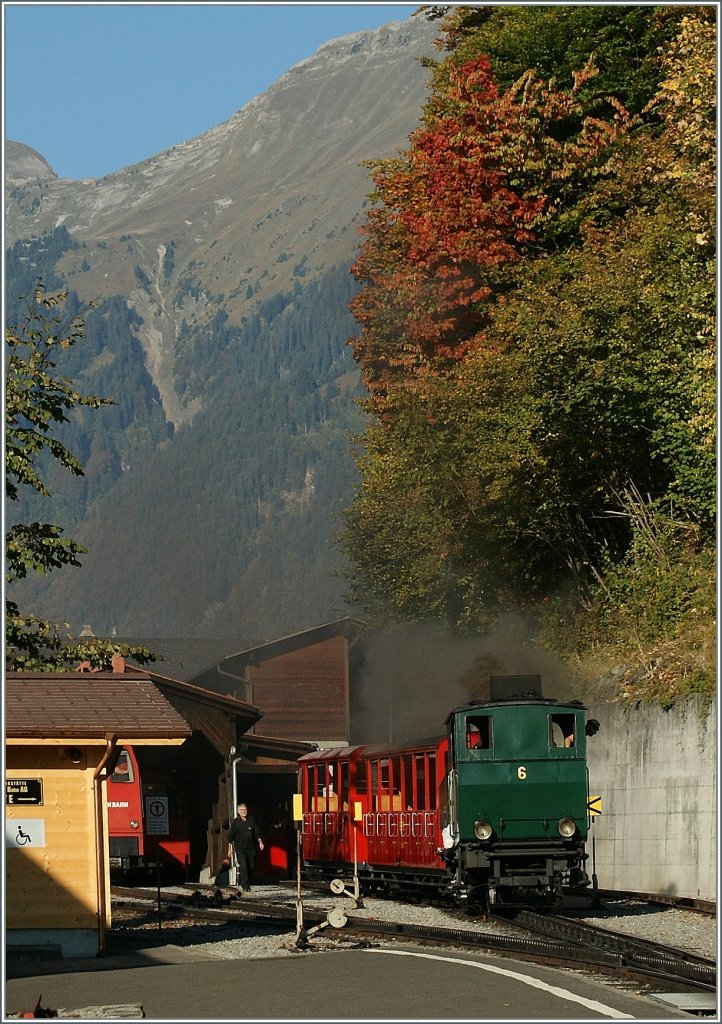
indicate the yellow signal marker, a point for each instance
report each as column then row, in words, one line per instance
column 297, row 807
column 594, row 805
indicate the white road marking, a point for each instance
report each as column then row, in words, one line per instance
column 561, row 993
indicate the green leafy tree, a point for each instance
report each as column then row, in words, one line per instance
column 37, row 400
column 576, row 401
column 555, row 41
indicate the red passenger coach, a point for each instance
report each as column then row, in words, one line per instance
column 376, row 807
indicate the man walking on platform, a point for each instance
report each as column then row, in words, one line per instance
column 245, row 839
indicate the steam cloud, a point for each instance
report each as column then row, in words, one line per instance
column 411, row 675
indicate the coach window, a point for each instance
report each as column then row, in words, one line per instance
column 395, row 783
column 408, row 770
column 343, row 769
column 421, row 791
column 561, row 730
column 478, row 732
column 331, row 788
column 306, row 787
column 123, row 769
column 360, row 778
column 431, row 804
column 383, row 790
column 317, row 787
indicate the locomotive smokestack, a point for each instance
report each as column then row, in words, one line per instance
column 515, row 687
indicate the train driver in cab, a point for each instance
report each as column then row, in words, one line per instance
column 562, row 730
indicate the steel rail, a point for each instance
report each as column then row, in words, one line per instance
column 636, row 953
column 563, row 943
column 707, row 908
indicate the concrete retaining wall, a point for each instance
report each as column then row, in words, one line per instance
column 656, row 772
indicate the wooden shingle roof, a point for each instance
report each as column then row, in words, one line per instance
column 89, row 706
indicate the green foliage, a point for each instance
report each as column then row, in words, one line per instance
column 589, row 376
column 37, row 400
column 652, row 612
column 556, row 41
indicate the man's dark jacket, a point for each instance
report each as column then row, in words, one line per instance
column 245, row 836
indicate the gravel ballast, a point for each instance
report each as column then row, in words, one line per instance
column 682, row 929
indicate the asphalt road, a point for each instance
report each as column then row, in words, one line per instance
column 356, row 984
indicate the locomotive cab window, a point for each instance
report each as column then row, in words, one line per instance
column 124, row 769
column 478, row 732
column 562, row 730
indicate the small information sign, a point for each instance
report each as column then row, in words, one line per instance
column 156, row 815
column 24, row 791
column 24, row 833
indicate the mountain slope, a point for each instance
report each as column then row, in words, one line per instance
column 222, row 269
column 235, row 215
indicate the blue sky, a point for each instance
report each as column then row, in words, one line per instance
column 97, row 87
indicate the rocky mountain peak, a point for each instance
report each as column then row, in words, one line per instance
column 23, row 162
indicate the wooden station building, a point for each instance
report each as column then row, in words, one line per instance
column 300, row 682
column 63, row 734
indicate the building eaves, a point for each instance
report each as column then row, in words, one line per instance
column 175, row 687
column 271, row 746
column 346, row 626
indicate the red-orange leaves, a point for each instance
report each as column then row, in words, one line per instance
column 465, row 210
column 458, row 212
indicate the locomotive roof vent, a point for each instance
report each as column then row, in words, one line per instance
column 515, row 688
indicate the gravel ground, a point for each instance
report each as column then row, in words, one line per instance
column 682, row 929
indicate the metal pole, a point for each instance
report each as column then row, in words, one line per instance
column 355, row 861
column 234, row 762
column 356, row 886
column 157, row 879
column 301, row 938
column 595, row 882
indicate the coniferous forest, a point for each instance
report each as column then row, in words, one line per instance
column 282, row 396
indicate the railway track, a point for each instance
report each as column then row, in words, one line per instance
column 545, row 939
column 639, row 956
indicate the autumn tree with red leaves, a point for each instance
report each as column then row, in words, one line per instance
column 455, row 216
